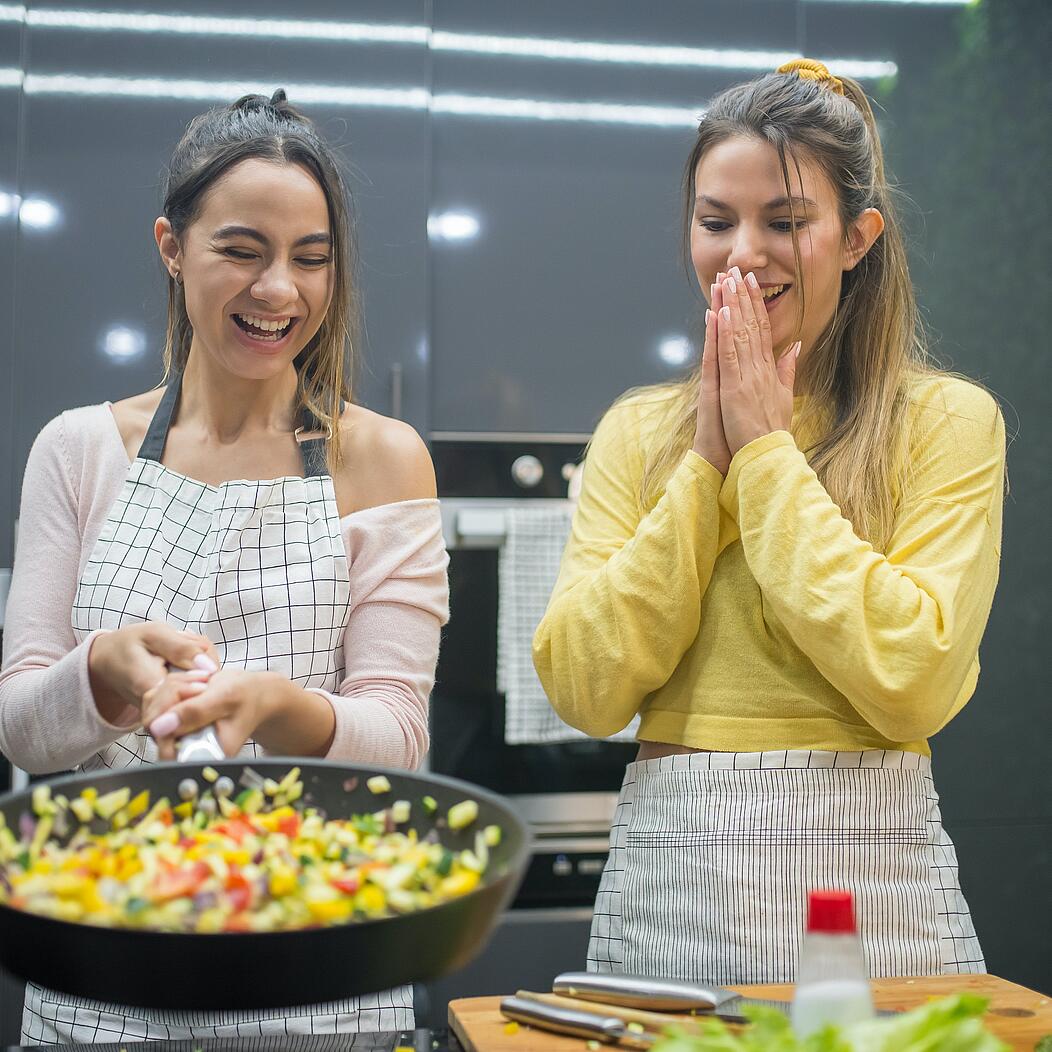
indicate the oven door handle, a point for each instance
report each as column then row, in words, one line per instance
column 481, row 527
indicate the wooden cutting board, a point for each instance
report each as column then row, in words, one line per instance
column 1017, row 1015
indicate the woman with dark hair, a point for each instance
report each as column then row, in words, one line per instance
column 784, row 564
column 244, row 547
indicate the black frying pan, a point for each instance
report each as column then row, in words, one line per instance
column 178, row 970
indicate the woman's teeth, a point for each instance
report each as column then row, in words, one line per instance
column 774, row 290
column 261, row 328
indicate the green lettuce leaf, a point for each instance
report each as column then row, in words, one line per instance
column 950, row 1024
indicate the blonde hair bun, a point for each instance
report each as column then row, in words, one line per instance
column 812, row 69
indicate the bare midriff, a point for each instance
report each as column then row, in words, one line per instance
column 653, row 750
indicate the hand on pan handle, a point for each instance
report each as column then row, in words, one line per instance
column 125, row 664
column 234, row 701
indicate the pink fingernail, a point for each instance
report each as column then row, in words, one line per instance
column 731, row 286
column 725, row 313
column 196, row 673
column 736, row 273
column 751, row 279
column 205, row 663
column 165, row 724
column 707, row 313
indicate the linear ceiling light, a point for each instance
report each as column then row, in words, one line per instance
column 645, row 54
column 221, row 91
column 437, row 40
column 343, row 95
column 918, row 3
column 204, row 25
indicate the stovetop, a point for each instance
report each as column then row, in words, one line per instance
column 409, row 1041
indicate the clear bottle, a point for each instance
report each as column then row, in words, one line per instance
column 832, row 985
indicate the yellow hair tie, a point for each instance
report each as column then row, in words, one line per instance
column 811, row 69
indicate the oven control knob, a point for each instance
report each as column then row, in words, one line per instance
column 527, row 471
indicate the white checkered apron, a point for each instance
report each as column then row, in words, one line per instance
column 712, row 856
column 259, row 568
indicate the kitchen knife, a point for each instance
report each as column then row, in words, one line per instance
column 591, row 1026
column 660, row 995
column 666, row 995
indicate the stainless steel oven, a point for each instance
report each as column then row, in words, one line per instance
column 566, row 791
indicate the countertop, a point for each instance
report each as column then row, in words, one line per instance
column 410, row 1041
column 1020, row 1017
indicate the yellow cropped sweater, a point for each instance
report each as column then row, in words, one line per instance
column 745, row 614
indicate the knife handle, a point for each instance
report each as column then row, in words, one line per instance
column 655, row 1022
column 589, row 1025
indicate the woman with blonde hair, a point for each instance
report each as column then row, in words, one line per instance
column 784, row 565
column 244, row 547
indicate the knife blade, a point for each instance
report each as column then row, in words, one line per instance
column 592, row 1026
column 660, row 995
column 667, row 995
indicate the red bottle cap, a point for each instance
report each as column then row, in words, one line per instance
column 830, row 911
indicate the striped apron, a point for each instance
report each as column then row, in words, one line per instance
column 259, row 568
column 712, row 856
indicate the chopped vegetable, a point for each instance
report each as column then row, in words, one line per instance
column 209, row 774
column 215, row 863
column 463, row 814
column 378, row 784
column 430, row 805
column 107, row 806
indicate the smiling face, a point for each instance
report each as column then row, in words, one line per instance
column 741, row 218
column 256, row 266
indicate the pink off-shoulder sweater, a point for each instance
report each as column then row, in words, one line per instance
column 48, row 718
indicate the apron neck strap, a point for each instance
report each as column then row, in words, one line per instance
column 152, row 447
column 313, row 450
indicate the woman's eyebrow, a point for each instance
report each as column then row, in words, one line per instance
column 778, row 202
column 782, row 202
column 320, row 238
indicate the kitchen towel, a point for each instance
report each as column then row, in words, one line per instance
column 534, row 540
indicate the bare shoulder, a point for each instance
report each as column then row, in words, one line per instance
column 384, row 461
column 133, row 415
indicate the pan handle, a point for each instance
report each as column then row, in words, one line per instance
column 200, row 746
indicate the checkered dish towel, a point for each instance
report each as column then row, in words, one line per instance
column 533, row 546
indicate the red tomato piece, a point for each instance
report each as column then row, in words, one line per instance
column 348, row 885
column 180, row 882
column 290, row 826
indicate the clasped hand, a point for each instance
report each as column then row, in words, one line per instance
column 745, row 391
column 237, row 701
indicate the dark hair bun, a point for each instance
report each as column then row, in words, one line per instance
column 277, row 103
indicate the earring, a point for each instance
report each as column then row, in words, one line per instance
column 177, row 275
